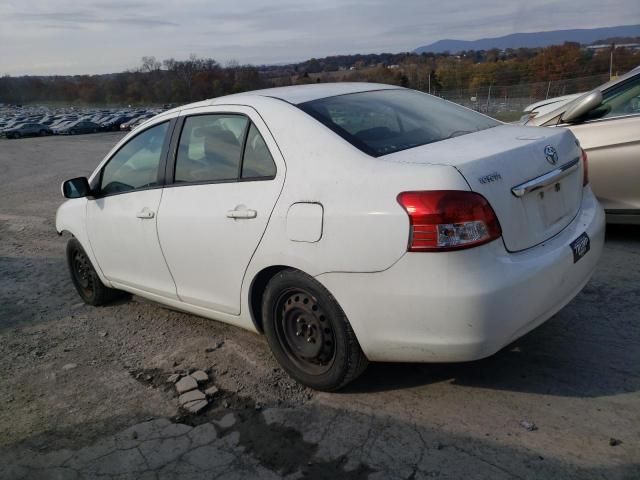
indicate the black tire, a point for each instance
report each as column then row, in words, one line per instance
column 42, row 133
column 308, row 332
column 16, row 135
column 84, row 277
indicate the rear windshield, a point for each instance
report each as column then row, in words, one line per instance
column 386, row 121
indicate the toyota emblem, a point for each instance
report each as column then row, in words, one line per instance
column 551, row 154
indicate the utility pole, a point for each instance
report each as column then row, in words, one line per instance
column 613, row 47
column 429, row 81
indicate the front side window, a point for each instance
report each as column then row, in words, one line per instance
column 624, row 100
column 136, row 164
column 210, row 148
column 386, row 121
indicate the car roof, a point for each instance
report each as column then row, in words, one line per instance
column 297, row 94
column 294, row 94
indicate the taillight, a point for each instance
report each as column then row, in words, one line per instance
column 448, row 220
column 585, row 169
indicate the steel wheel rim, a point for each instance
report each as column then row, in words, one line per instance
column 82, row 272
column 304, row 331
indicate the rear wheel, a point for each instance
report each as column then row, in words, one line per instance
column 309, row 334
column 43, row 133
column 84, row 277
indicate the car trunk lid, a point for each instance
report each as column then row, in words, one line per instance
column 532, row 177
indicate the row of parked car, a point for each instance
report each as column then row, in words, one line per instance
column 18, row 121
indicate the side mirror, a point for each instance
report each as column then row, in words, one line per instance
column 583, row 105
column 76, row 188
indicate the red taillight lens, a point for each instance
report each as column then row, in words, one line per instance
column 448, row 220
column 585, row 169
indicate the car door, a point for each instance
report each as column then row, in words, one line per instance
column 121, row 220
column 612, row 142
column 227, row 175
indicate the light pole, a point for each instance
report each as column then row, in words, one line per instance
column 613, row 47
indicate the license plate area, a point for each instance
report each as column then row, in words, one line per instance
column 580, row 246
column 553, row 203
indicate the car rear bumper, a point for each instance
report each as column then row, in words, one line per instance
column 466, row 305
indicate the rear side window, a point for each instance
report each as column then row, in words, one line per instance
column 257, row 162
column 210, row 148
column 386, row 121
column 136, row 164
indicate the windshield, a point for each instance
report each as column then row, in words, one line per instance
column 386, row 121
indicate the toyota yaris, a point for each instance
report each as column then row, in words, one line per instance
column 347, row 222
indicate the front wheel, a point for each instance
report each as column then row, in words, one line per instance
column 309, row 334
column 84, row 277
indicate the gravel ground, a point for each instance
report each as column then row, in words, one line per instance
column 84, row 390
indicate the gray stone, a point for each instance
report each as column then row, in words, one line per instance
column 174, row 430
column 226, row 421
column 118, row 462
column 69, row 366
column 195, row 406
column 173, row 378
column 206, row 458
column 159, row 452
column 203, row 434
column 185, row 384
column 199, row 376
column 191, row 396
column 211, row 391
column 529, row 426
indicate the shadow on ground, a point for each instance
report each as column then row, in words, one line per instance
column 306, row 441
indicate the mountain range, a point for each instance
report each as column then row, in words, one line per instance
column 533, row 39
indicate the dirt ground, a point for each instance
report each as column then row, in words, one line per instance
column 84, row 390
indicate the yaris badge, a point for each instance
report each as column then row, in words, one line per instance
column 550, row 154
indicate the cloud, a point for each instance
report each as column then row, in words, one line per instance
column 82, row 19
column 112, row 35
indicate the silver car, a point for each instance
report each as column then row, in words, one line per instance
column 606, row 121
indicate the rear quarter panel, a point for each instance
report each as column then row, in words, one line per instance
column 364, row 228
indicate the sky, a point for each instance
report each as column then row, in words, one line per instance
column 41, row 37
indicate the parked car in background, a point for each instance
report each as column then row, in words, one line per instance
column 349, row 222
column 59, row 125
column 58, row 119
column 139, row 121
column 27, row 130
column 128, row 125
column 606, row 121
column 114, row 123
column 82, row 126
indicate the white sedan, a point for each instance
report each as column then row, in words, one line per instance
column 347, row 222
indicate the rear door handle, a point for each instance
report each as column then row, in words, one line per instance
column 145, row 213
column 245, row 213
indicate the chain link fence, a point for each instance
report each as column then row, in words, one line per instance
column 508, row 101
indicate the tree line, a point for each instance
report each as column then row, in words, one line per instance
column 181, row 81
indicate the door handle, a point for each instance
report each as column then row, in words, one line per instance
column 145, row 213
column 245, row 213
